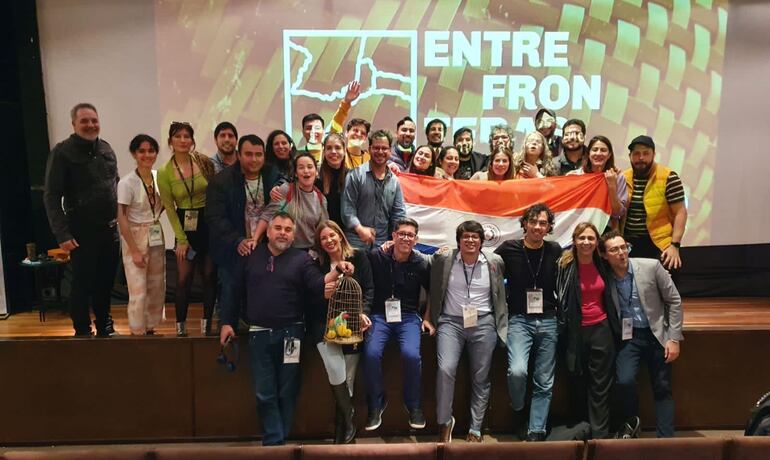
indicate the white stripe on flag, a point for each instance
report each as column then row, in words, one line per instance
column 438, row 225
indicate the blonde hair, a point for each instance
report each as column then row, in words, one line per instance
column 347, row 249
column 546, row 157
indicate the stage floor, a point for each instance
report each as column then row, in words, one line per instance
column 703, row 314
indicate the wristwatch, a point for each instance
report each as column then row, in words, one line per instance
column 676, row 244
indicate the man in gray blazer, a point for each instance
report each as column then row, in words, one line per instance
column 651, row 318
column 469, row 309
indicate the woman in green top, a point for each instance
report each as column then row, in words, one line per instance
column 182, row 183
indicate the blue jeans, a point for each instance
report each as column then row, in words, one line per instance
column 275, row 384
column 536, row 334
column 644, row 346
column 407, row 332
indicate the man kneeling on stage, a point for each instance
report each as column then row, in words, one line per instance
column 651, row 318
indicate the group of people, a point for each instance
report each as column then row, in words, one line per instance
column 271, row 227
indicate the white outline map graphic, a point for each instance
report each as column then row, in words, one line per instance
column 292, row 87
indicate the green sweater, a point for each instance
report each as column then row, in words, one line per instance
column 174, row 195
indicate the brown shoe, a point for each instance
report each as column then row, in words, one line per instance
column 445, row 431
column 473, row 438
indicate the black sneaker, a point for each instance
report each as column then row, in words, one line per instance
column 107, row 333
column 416, row 418
column 375, row 417
column 84, row 334
column 630, row 429
column 535, row 436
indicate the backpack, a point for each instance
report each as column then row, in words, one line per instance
column 759, row 420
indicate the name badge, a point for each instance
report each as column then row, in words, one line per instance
column 393, row 310
column 191, row 220
column 291, row 350
column 470, row 316
column 628, row 328
column 534, row 301
column 156, row 235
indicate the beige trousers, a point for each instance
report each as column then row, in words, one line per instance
column 146, row 286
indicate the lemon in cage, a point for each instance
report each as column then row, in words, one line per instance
column 343, row 318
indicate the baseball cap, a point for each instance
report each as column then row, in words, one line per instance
column 644, row 140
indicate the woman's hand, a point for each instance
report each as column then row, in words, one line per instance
column 366, row 323
column 181, row 251
column 138, row 259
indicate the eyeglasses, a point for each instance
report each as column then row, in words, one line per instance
column 230, row 362
column 406, row 235
column 618, row 249
column 270, row 264
column 471, row 238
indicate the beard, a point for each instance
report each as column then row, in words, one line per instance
column 281, row 246
column 641, row 170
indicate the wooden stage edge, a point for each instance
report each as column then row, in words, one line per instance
column 60, row 389
column 701, row 314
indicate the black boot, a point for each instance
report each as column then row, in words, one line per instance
column 346, row 411
column 339, row 426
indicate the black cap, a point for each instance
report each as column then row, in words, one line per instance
column 644, row 140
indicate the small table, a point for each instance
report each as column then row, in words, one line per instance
column 48, row 274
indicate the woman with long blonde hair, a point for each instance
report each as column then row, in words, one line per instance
column 535, row 159
column 340, row 361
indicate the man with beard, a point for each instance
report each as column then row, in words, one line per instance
column 225, row 136
column 500, row 136
column 235, row 201
column 372, row 201
column 278, row 280
column 80, row 197
column 545, row 122
column 573, row 150
column 470, row 162
column 530, row 271
column 656, row 217
column 404, row 146
column 435, row 132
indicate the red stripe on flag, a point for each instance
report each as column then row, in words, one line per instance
column 508, row 198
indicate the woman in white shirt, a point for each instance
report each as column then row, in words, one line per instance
column 143, row 247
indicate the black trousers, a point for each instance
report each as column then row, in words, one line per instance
column 593, row 388
column 94, row 262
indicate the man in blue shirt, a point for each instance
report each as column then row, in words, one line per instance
column 398, row 273
column 651, row 318
column 280, row 282
column 372, row 201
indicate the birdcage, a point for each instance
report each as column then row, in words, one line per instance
column 343, row 319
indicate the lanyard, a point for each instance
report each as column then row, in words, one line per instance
column 190, row 192
column 465, row 272
column 529, row 264
column 150, row 191
column 254, row 199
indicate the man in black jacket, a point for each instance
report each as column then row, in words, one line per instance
column 83, row 171
column 235, row 200
column 470, row 162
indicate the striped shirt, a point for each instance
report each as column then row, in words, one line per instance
column 636, row 220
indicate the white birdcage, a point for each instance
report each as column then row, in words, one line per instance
column 343, row 319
